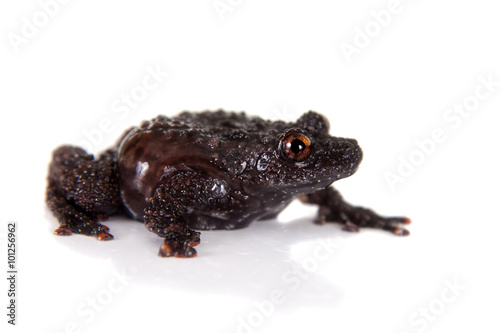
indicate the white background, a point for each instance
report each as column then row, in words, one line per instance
column 277, row 59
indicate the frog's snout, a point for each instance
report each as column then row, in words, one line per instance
column 353, row 150
column 347, row 155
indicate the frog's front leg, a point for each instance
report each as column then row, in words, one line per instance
column 333, row 208
column 165, row 214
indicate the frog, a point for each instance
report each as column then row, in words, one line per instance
column 208, row 170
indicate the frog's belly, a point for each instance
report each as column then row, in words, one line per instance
column 211, row 220
column 207, row 222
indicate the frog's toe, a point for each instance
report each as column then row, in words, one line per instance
column 170, row 249
column 349, row 226
column 396, row 230
column 393, row 224
column 62, row 231
column 195, row 238
column 188, row 253
column 104, row 236
column 165, row 250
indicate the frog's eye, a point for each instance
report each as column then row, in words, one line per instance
column 296, row 147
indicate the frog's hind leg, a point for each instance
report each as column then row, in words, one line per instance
column 81, row 191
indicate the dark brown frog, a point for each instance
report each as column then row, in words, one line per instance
column 207, row 170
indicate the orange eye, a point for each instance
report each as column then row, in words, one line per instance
column 296, row 147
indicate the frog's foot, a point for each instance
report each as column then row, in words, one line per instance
column 96, row 229
column 354, row 218
column 175, row 249
column 102, row 235
column 73, row 221
column 180, row 245
column 179, row 239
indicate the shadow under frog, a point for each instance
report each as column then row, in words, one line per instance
column 250, row 264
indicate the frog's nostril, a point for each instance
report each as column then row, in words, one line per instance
column 349, row 147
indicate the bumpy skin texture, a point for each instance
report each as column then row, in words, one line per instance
column 81, row 191
column 207, row 170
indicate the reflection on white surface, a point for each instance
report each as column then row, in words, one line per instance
column 253, row 261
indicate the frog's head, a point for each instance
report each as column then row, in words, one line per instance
column 306, row 158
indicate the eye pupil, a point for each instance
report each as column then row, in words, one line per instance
column 297, row 146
